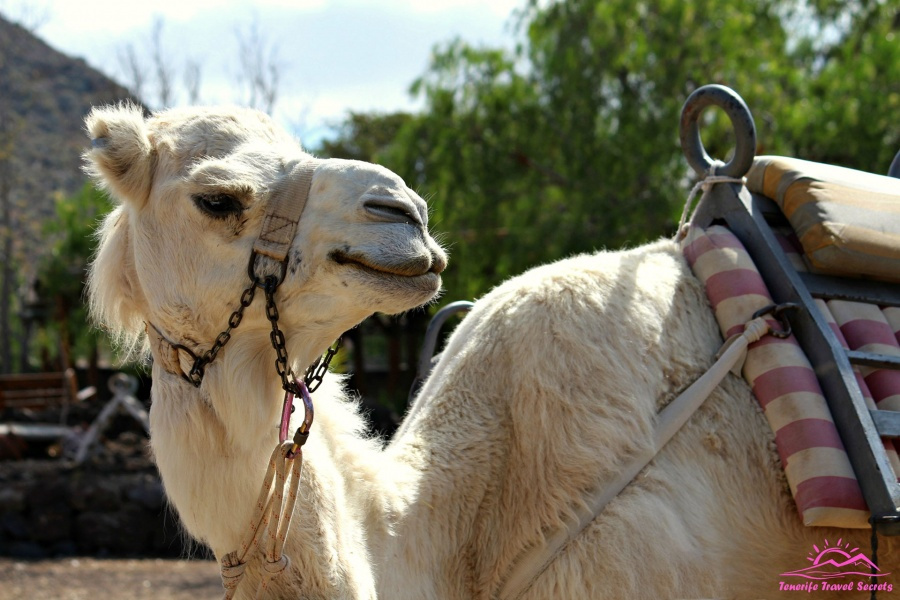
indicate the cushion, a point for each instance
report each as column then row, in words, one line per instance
column 848, row 222
column 817, row 469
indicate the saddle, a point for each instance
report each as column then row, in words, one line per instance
column 822, row 243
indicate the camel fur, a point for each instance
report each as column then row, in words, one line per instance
column 543, row 392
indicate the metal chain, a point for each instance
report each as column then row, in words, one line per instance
column 314, row 374
column 316, row 371
column 277, row 339
column 195, row 376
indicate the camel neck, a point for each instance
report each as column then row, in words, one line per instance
column 212, row 469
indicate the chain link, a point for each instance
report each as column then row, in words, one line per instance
column 314, row 374
column 199, row 367
column 277, row 338
column 316, row 371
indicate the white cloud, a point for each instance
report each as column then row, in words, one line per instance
column 500, row 8
column 336, row 55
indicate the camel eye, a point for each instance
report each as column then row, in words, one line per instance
column 218, row 206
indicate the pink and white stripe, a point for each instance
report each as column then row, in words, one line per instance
column 818, row 471
column 880, row 329
column 892, row 314
column 866, row 328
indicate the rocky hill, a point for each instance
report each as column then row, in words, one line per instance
column 44, row 96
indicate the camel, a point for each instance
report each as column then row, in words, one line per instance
column 542, row 393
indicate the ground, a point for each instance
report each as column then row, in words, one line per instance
column 92, row 579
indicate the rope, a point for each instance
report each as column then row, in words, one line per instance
column 706, row 185
column 276, row 562
column 270, row 514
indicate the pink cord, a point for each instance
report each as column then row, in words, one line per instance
column 286, row 411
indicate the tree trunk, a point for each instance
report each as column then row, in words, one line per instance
column 25, row 345
column 93, row 374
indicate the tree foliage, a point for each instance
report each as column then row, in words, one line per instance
column 570, row 143
column 62, row 273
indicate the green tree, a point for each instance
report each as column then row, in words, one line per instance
column 63, row 271
column 364, row 136
column 570, row 143
column 849, row 114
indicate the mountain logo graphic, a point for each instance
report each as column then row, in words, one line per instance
column 835, row 561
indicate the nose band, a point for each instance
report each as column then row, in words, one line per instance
column 284, row 209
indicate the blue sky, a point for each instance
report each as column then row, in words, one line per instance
column 334, row 55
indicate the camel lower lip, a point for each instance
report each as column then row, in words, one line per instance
column 344, row 259
column 424, row 285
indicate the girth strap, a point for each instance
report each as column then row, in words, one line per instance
column 534, row 560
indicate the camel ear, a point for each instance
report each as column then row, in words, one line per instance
column 121, row 154
column 116, row 299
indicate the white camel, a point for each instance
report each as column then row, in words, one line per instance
column 544, row 391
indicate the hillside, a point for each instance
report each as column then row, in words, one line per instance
column 44, row 96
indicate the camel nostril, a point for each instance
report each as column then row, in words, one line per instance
column 391, row 210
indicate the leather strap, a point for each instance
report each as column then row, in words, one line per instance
column 284, row 210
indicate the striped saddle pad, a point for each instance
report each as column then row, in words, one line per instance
column 813, row 197
column 818, row 471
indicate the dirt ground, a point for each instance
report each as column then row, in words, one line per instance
column 114, row 579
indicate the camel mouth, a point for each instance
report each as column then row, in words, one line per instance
column 418, row 267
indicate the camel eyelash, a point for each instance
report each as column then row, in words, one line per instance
column 218, row 205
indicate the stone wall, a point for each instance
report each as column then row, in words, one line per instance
column 104, row 508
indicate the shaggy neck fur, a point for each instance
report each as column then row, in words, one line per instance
column 212, row 446
column 543, row 392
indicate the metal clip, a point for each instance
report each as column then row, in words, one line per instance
column 302, row 433
column 777, row 311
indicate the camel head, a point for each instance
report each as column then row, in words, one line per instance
column 194, row 186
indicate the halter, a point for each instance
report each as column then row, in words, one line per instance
column 273, row 509
column 279, row 227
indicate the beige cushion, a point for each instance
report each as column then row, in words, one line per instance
column 848, row 222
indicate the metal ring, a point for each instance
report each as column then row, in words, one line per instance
column 308, row 411
column 741, row 120
column 261, row 281
column 894, row 169
column 302, row 433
